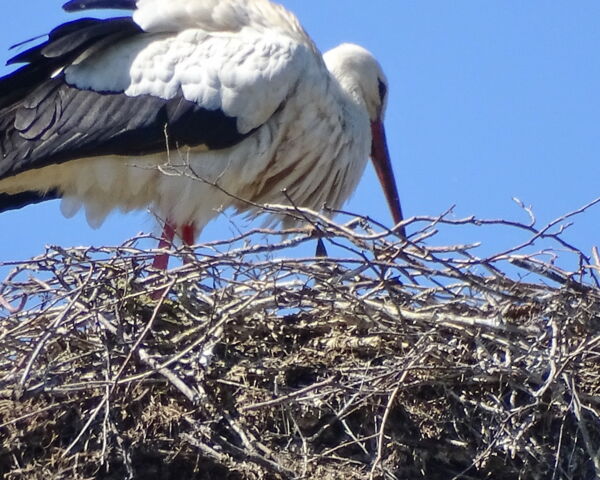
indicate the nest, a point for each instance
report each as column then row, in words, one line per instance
column 386, row 359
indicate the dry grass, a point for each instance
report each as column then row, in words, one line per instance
column 385, row 360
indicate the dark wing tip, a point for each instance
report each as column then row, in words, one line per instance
column 20, row 200
column 25, row 42
column 77, row 5
column 72, row 37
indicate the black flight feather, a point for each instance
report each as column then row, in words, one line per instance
column 20, row 200
column 76, row 5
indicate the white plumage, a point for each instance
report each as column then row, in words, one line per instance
column 294, row 125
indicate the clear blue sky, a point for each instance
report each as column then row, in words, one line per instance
column 488, row 100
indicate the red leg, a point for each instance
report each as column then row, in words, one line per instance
column 161, row 261
column 188, row 235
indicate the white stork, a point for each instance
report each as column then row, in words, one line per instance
column 231, row 97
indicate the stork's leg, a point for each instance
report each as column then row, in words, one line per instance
column 188, row 236
column 161, row 261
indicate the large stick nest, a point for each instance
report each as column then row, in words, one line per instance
column 387, row 359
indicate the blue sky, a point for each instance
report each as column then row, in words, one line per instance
column 488, row 101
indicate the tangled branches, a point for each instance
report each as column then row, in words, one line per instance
column 386, row 359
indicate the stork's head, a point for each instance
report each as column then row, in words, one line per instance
column 360, row 74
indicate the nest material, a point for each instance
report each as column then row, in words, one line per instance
column 385, row 360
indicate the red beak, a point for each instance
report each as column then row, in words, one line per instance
column 383, row 166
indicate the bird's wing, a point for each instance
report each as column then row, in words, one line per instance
column 108, row 87
column 75, row 5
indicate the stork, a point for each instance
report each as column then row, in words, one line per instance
column 189, row 107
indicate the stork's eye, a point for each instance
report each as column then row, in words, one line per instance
column 382, row 91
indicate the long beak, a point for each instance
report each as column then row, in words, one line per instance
column 383, row 166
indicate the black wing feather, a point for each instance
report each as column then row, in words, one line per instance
column 72, row 38
column 87, row 32
column 20, row 200
column 76, row 5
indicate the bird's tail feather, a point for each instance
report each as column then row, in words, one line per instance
column 20, row 200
